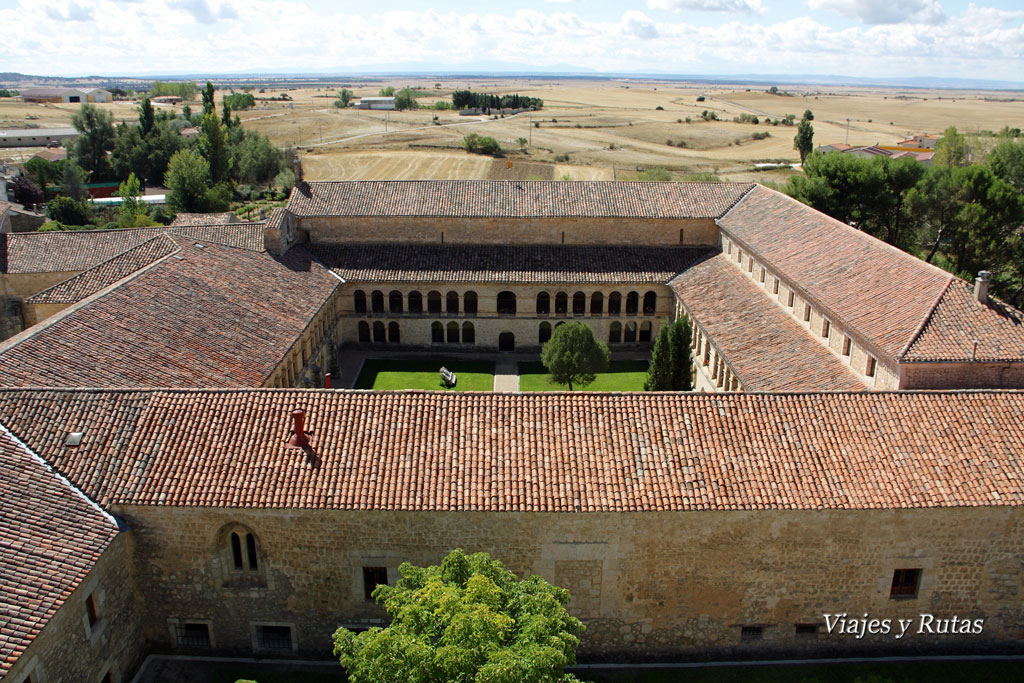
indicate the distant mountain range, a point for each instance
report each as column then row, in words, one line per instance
column 509, row 69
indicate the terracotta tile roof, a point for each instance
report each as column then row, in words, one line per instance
column 882, row 293
column 61, row 252
column 89, row 282
column 959, row 321
column 212, row 316
column 466, row 263
column 184, row 219
column 50, row 537
column 550, row 452
column 765, row 347
column 515, row 199
column 239, row 235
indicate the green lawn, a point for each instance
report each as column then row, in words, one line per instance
column 244, row 674
column 881, row 672
column 622, row 375
column 391, row 375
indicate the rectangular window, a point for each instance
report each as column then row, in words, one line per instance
column 792, row 300
column 739, row 256
column 806, row 631
column 846, row 345
column 775, row 286
column 870, row 369
column 905, row 583
column 728, row 247
column 91, row 611
column 764, row 274
column 750, row 265
column 275, row 638
column 748, row 633
column 826, row 328
column 192, row 635
column 807, row 313
column 373, row 577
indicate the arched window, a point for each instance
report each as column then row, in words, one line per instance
column 434, row 302
column 614, row 304
column 453, row 332
column 415, row 302
column 378, row 331
column 377, row 300
column 244, row 553
column 650, row 303
column 395, row 301
column 468, row 333
column 561, row 303
column 364, row 331
column 645, row 332
column 359, row 301
column 437, row 333
column 469, row 303
column 615, row 333
column 394, row 335
column 453, row 303
column 597, row 303
column 241, row 556
column 543, row 303
column 629, row 334
column 632, row 303
column 506, row 303
column 579, row 303
column 545, row 332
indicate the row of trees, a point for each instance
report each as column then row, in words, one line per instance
column 959, row 214
column 463, row 99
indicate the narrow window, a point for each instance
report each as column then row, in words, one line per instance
column 373, row 577
column 870, row 369
column 680, row 235
column 826, row 328
column 739, row 256
column 775, row 286
column 250, row 546
column 807, row 313
column 728, row 247
column 90, row 610
column 236, row 550
column 750, row 265
column 748, row 633
column 791, row 300
column 905, row 583
column 764, row 274
column 846, row 345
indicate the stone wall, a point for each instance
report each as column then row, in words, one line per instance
column 505, row 231
column 647, row 584
column 68, row 649
column 962, row 375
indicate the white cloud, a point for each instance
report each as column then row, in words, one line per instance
column 749, row 6
column 637, row 24
column 203, row 12
column 885, row 11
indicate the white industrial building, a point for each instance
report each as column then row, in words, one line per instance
column 376, row 103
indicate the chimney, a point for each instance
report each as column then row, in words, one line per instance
column 327, row 380
column 981, row 286
column 297, row 168
column 299, row 438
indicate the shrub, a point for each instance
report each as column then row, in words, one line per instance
column 480, row 144
column 68, row 211
column 659, row 108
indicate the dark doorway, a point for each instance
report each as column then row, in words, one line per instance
column 506, row 341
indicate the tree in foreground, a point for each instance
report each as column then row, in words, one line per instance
column 573, row 355
column 188, row 178
column 670, row 358
column 804, row 140
column 470, row 620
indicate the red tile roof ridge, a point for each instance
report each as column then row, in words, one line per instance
column 924, row 323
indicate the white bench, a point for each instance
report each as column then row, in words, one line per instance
column 448, row 377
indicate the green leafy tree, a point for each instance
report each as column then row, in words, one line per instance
column 213, row 145
column 481, row 144
column 95, row 139
column 951, row 149
column 73, row 184
column 69, row 211
column 186, row 113
column 1007, row 161
column 257, row 159
column 804, row 140
column 188, row 179
column 389, row 91
column 808, row 115
column 659, row 374
column 285, row 180
column 344, row 98
column 405, row 99
column 146, row 116
column 208, row 104
column 573, row 356
column 680, row 355
column 469, row 619
column 225, row 116
column 133, row 211
column 43, row 172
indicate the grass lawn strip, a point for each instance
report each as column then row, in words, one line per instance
column 398, row 374
column 622, row 375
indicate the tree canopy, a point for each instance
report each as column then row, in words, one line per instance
column 671, row 358
column 344, row 98
column 804, row 140
column 96, row 138
column 573, row 356
column 469, row 620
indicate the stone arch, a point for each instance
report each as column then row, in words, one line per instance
column 629, row 333
column 415, row 302
column 597, row 303
column 615, row 333
column 468, row 333
column 614, row 304
column 632, row 303
column 561, row 303
column 453, row 333
column 452, row 303
column 359, row 301
column 436, row 333
column 378, row 332
column 364, row 331
column 543, row 303
column 434, row 302
column 650, row 303
column 506, row 303
column 579, row 303
column 395, row 301
column 544, row 333
column 470, row 303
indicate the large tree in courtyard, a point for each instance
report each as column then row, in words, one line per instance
column 573, row 355
column 470, row 620
column 670, row 358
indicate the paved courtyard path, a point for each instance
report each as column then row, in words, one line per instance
column 506, row 376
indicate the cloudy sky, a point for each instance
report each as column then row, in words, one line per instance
column 872, row 38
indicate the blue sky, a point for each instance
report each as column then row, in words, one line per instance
column 869, row 38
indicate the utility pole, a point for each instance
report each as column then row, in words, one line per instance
column 847, row 131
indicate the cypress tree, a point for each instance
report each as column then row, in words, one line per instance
column 679, row 345
column 659, row 374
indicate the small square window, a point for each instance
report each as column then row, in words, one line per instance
column 274, row 638
column 748, row 633
column 806, row 631
column 373, row 577
column 192, row 634
column 905, row 583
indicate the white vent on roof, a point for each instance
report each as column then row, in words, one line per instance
column 74, row 439
column 201, row 246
